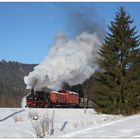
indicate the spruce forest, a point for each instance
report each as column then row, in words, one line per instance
column 12, row 87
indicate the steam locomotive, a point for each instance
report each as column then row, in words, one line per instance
column 62, row 98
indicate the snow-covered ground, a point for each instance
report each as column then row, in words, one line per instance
column 19, row 122
column 126, row 127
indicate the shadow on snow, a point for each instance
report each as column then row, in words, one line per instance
column 7, row 117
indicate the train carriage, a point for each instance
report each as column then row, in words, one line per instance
column 61, row 98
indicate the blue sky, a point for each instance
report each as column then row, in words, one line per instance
column 27, row 30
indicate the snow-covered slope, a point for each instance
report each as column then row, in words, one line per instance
column 126, row 127
column 18, row 122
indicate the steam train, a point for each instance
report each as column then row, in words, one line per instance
column 62, row 98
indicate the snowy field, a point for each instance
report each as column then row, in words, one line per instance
column 21, row 123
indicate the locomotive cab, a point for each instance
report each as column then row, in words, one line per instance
column 42, row 96
column 38, row 99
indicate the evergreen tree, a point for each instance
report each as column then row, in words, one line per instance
column 117, row 87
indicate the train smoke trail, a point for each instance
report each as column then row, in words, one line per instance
column 85, row 19
column 69, row 60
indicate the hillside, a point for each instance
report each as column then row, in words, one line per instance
column 12, row 87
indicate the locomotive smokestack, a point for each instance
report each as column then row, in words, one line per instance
column 32, row 91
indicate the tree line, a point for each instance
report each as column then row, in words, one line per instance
column 12, row 87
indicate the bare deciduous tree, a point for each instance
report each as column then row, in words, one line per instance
column 41, row 126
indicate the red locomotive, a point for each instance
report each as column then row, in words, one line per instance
column 61, row 98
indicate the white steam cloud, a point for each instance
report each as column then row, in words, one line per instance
column 69, row 60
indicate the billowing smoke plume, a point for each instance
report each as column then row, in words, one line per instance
column 85, row 19
column 69, row 60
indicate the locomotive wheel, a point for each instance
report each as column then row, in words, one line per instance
column 76, row 106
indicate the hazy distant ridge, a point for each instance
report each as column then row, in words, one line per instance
column 12, row 87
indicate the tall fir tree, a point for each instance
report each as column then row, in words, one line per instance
column 117, row 86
